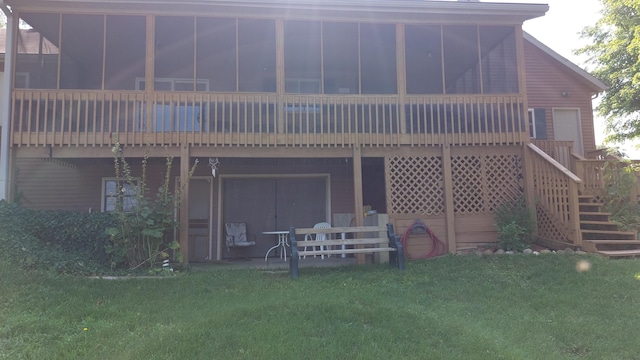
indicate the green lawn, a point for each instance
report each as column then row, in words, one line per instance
column 454, row 307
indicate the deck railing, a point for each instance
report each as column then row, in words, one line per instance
column 556, row 192
column 560, row 151
column 592, row 173
column 95, row 118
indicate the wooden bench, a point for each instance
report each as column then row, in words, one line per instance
column 362, row 240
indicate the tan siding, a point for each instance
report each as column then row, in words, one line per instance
column 75, row 184
column 546, row 80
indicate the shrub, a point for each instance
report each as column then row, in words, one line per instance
column 620, row 180
column 62, row 241
column 516, row 225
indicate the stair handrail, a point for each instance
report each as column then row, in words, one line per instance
column 560, row 204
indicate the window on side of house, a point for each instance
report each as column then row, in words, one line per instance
column 537, row 123
column 129, row 193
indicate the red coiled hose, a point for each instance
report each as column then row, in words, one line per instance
column 418, row 227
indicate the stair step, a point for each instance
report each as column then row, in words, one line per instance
column 588, row 199
column 588, row 234
column 594, row 216
column 614, row 242
column 609, row 232
column 594, row 213
column 596, row 222
column 620, row 253
column 590, row 207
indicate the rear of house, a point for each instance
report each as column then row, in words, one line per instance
column 310, row 112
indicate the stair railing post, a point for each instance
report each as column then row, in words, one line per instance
column 574, row 213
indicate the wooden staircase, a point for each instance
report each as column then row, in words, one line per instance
column 602, row 236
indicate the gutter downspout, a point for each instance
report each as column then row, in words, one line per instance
column 5, row 105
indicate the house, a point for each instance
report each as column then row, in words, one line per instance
column 313, row 111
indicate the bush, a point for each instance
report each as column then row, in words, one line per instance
column 62, row 241
column 516, row 225
column 620, row 179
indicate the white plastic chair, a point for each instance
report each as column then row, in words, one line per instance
column 318, row 237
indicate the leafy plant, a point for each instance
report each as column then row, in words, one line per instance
column 620, row 184
column 144, row 233
column 60, row 241
column 516, row 225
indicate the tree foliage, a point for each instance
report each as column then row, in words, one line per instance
column 615, row 51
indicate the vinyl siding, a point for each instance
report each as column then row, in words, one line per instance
column 546, row 79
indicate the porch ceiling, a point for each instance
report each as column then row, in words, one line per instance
column 388, row 11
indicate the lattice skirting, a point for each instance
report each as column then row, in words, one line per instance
column 481, row 179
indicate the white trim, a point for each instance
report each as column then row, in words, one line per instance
column 326, row 176
column 532, row 123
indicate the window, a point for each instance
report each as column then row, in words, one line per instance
column 174, row 116
column 21, row 80
column 110, row 194
column 537, row 124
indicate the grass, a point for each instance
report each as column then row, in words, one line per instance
column 454, row 307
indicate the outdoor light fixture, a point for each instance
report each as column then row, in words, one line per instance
column 213, row 163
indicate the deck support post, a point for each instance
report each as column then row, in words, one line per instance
column 5, row 112
column 529, row 187
column 357, row 193
column 184, row 203
column 450, row 221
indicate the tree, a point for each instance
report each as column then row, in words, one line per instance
column 615, row 52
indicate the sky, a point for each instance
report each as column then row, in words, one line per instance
column 560, row 30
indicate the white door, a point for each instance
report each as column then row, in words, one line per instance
column 567, row 127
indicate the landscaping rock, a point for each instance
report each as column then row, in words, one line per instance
column 488, row 252
column 580, row 252
column 569, row 251
column 510, row 252
column 536, row 253
column 545, row 251
column 527, row 251
column 499, row 252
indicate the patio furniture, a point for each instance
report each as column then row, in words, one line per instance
column 237, row 235
column 318, row 237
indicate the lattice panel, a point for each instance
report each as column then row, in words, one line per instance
column 549, row 227
column 467, row 184
column 504, row 179
column 483, row 183
column 415, row 185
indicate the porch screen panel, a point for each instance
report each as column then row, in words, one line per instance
column 423, row 59
column 174, row 55
column 37, row 51
column 499, row 63
column 216, row 53
column 256, row 55
column 461, row 63
column 340, row 58
column 82, row 51
column 302, row 58
column 125, row 52
column 378, row 59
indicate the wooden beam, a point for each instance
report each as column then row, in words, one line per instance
column 529, row 187
column 447, row 177
column 184, row 204
column 357, row 193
